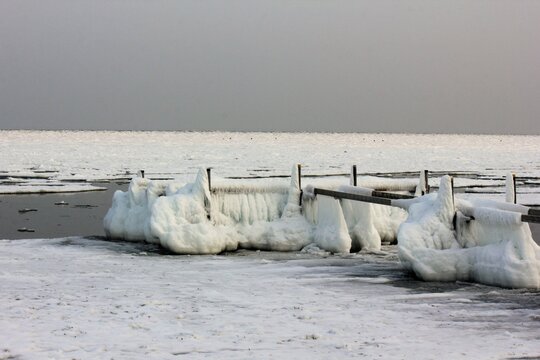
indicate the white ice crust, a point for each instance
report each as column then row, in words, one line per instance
column 192, row 219
column 440, row 237
column 447, row 239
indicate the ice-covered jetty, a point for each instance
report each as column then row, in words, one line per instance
column 440, row 237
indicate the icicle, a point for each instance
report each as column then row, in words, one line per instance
column 201, row 189
column 331, row 233
column 295, row 192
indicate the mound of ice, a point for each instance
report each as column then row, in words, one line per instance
column 486, row 244
column 127, row 218
column 332, row 233
column 194, row 219
column 370, row 224
column 191, row 219
column 442, row 239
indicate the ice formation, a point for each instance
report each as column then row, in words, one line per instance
column 331, row 233
column 440, row 237
column 443, row 240
column 192, row 219
column 510, row 188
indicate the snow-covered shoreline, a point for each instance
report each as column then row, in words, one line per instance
column 80, row 298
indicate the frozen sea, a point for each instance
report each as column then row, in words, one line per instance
column 71, row 295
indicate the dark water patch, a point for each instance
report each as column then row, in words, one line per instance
column 76, row 214
column 511, row 298
column 84, row 206
column 535, row 230
column 138, row 248
column 409, row 281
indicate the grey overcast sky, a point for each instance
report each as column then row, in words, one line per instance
column 420, row 66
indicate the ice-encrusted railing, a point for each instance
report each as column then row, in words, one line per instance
column 245, row 202
column 273, row 216
column 446, row 238
column 440, row 237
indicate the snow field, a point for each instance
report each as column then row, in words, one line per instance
column 80, row 298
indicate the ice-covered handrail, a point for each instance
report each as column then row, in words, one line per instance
column 491, row 215
column 249, row 188
column 362, row 196
column 371, row 192
column 440, row 242
column 491, row 212
column 382, row 184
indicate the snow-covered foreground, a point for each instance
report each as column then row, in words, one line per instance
column 86, row 298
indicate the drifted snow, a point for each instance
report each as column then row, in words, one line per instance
column 78, row 298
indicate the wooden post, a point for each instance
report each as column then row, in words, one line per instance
column 299, row 167
column 515, row 189
column 354, row 176
column 426, row 180
column 299, row 176
column 452, row 185
column 534, row 212
column 141, row 172
column 209, row 174
column 207, row 201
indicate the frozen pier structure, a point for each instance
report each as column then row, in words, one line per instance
column 440, row 237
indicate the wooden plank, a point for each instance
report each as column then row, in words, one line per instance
column 388, row 195
column 348, row 196
column 535, row 212
column 530, row 219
